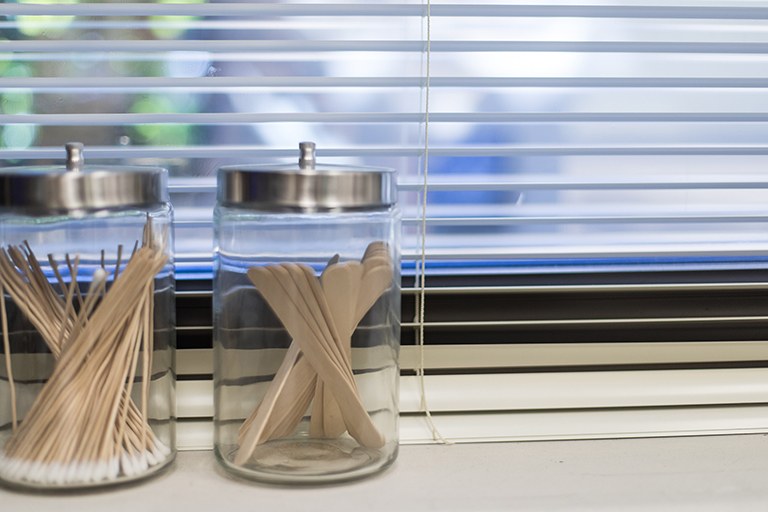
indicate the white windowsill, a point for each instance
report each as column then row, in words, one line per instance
column 683, row 473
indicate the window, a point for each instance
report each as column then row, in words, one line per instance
column 596, row 217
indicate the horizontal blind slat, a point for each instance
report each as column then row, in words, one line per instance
column 622, row 322
column 600, row 424
column 222, row 151
column 654, row 183
column 532, row 221
column 143, row 84
column 457, row 10
column 582, row 390
column 312, row 46
column 588, row 288
column 218, row 9
column 192, row 362
column 533, row 391
column 238, row 46
column 602, row 252
column 534, row 182
column 224, row 118
column 576, row 288
column 504, row 258
column 574, row 219
column 618, row 323
column 197, row 434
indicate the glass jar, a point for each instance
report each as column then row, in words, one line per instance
column 306, row 321
column 87, row 389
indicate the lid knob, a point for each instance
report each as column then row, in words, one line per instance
column 75, row 158
column 307, row 158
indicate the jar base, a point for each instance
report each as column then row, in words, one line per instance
column 308, row 461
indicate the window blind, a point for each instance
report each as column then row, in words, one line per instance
column 596, row 242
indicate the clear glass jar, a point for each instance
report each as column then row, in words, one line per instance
column 306, row 321
column 87, row 387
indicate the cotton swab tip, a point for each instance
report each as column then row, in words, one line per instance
column 141, row 462
column 102, row 470
column 99, row 275
column 114, row 468
column 74, row 472
column 126, row 464
column 162, row 448
column 56, row 471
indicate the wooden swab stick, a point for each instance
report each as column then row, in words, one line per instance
column 119, row 379
column 46, row 321
column 68, row 312
column 7, row 348
column 73, row 275
column 90, row 390
column 57, row 273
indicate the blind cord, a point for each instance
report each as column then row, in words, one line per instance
column 436, row 435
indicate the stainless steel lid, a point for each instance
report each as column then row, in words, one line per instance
column 308, row 187
column 50, row 189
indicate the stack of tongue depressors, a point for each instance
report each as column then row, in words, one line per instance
column 320, row 315
column 84, row 428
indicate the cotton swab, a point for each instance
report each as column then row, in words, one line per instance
column 84, row 427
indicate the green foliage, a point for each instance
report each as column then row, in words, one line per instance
column 162, row 134
column 172, row 32
column 44, row 26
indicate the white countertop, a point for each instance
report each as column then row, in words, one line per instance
column 689, row 473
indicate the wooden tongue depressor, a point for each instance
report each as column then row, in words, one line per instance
column 290, row 405
column 313, row 294
column 341, row 294
column 302, row 382
column 351, row 293
column 375, row 248
column 266, row 406
column 375, row 282
column 316, row 426
column 341, row 285
column 320, row 356
column 287, row 302
column 292, row 402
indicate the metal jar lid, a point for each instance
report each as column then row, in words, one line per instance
column 310, row 187
column 52, row 189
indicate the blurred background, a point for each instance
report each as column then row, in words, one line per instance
column 607, row 136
